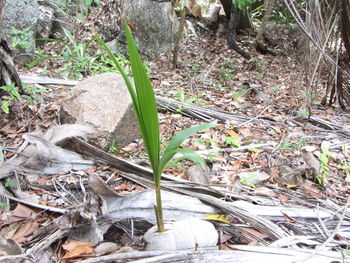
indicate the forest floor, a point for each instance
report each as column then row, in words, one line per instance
column 280, row 144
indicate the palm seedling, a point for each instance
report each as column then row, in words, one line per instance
column 145, row 106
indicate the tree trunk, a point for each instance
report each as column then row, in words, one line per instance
column 8, row 72
column 261, row 35
column 242, row 17
column 232, row 24
column 244, row 21
column 345, row 25
column 226, row 4
column 179, row 37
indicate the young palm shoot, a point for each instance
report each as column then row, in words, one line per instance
column 145, row 105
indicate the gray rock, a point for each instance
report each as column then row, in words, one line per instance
column 60, row 18
column 103, row 101
column 197, row 174
column 46, row 18
column 22, row 15
column 155, row 25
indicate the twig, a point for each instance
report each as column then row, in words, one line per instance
column 65, row 190
column 44, row 207
column 255, row 118
column 11, row 258
column 279, row 144
column 131, row 255
column 330, row 238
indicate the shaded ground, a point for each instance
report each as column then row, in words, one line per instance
column 277, row 147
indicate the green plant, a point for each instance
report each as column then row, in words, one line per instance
column 260, row 67
column 248, row 178
column 232, row 141
column 254, row 150
column 12, row 95
column 225, row 75
column 241, row 93
column 77, row 62
column 196, row 68
column 1, row 157
column 176, row 162
column 304, row 112
column 212, row 154
column 293, row 146
column 9, row 183
column 207, row 142
column 242, row 4
column 88, row 3
column 85, row 8
column 181, row 96
column 278, row 90
column 113, row 148
column 21, row 38
column 144, row 102
column 324, row 163
column 257, row 13
column 345, row 253
column 346, row 169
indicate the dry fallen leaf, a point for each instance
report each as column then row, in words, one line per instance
column 290, row 219
column 232, row 133
column 283, row 198
column 80, row 252
column 312, row 190
column 264, row 191
column 25, row 231
column 72, row 244
column 106, row 248
column 253, row 233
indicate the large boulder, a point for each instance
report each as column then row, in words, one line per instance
column 54, row 16
column 46, row 19
column 22, row 16
column 154, row 25
column 103, row 101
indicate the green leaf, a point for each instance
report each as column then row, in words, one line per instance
column 15, row 93
column 80, row 17
column 1, row 157
column 183, row 135
column 147, row 103
column 193, row 156
column 241, row 4
column 166, row 157
column 178, row 138
column 5, row 106
column 69, row 36
column 9, row 183
column 324, row 158
column 53, row 40
column 35, row 62
column 255, row 150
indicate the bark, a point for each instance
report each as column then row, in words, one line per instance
column 242, row 17
column 260, row 37
column 2, row 11
column 244, row 21
column 232, row 24
column 345, row 25
column 226, row 4
column 8, row 72
column 179, row 37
